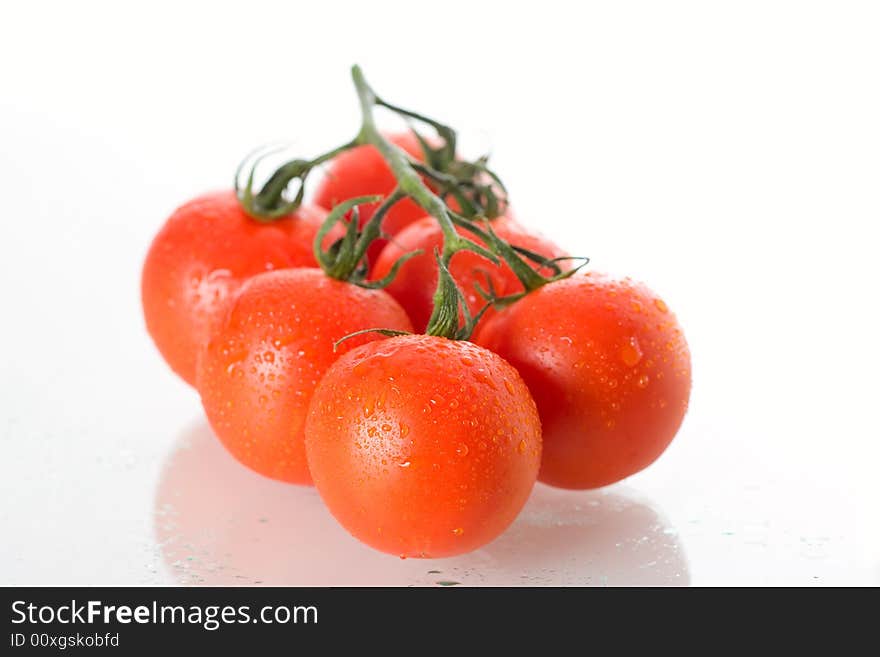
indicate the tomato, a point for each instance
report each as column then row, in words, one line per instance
column 609, row 369
column 416, row 280
column 262, row 364
column 422, row 446
column 201, row 256
column 362, row 171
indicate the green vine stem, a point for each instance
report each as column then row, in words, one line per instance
column 472, row 184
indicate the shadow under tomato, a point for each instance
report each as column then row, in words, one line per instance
column 216, row 522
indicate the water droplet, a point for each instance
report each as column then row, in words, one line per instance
column 643, row 381
column 386, row 427
column 404, row 430
column 508, row 386
column 458, row 531
column 566, row 340
column 636, row 306
column 263, row 399
column 610, row 424
column 521, row 448
column 467, row 361
column 462, row 449
column 661, row 306
column 405, row 464
column 631, row 352
column 368, row 411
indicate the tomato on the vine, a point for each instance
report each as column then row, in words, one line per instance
column 423, row 446
column 202, row 254
column 416, row 280
column 610, row 371
column 260, row 368
column 362, row 171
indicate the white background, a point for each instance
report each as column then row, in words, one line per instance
column 726, row 153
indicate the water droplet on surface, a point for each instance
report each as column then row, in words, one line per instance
column 643, row 381
column 508, row 386
column 405, row 464
column 661, row 306
column 521, row 448
column 631, row 352
column 458, row 531
column 404, row 430
column 462, row 449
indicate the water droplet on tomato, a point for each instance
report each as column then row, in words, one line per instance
column 404, row 430
column 643, row 381
column 458, row 531
column 508, row 386
column 462, row 449
column 661, row 306
column 631, row 352
column 521, row 448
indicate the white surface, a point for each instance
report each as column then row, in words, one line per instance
column 728, row 155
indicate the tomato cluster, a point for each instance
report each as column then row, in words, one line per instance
column 420, row 442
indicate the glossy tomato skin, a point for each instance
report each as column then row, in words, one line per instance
column 260, row 368
column 610, row 371
column 422, row 446
column 202, row 254
column 416, row 280
column 363, row 171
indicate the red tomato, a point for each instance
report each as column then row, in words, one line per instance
column 201, row 256
column 609, row 369
column 422, row 446
column 362, row 171
column 416, row 280
column 260, row 368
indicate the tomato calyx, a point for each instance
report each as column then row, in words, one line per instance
column 273, row 201
column 345, row 259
